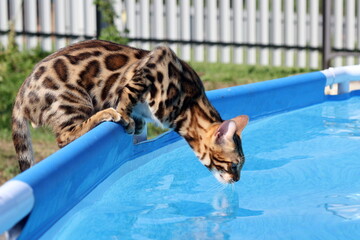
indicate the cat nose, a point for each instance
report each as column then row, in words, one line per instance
column 234, row 167
column 236, row 177
column 235, row 172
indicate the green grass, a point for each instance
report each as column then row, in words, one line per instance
column 15, row 66
column 217, row 75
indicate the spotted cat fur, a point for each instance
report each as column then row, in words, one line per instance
column 85, row 84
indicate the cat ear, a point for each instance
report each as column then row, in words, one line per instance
column 241, row 122
column 226, row 130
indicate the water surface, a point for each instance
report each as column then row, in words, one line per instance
column 300, row 181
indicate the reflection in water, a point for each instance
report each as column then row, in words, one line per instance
column 342, row 121
column 350, row 212
column 347, row 207
column 342, row 127
column 226, row 204
column 225, row 208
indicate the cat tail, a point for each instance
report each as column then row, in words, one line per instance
column 21, row 138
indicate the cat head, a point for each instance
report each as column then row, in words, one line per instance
column 225, row 157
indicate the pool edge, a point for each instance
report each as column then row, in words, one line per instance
column 257, row 100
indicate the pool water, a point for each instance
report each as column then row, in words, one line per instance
column 300, row 181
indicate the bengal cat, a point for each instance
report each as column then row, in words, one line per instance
column 78, row 87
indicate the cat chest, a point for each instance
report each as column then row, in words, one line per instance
column 143, row 110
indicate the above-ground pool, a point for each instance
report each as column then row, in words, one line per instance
column 300, row 179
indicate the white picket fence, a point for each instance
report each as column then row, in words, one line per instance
column 265, row 32
column 45, row 21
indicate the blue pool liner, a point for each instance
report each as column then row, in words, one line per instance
column 63, row 179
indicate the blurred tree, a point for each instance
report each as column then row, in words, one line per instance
column 108, row 14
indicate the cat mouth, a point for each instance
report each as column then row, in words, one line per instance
column 226, row 178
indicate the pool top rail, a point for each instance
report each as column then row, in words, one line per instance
column 342, row 76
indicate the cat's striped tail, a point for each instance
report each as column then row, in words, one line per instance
column 21, row 137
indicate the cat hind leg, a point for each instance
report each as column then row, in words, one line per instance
column 139, row 125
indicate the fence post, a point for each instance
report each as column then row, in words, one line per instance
column 145, row 23
column 159, row 19
column 251, row 22
column 118, row 8
column 264, row 31
column 358, row 27
column 45, row 23
column 326, row 34
column 212, row 29
column 301, row 29
column 199, row 30
column 238, row 29
column 131, row 20
column 277, row 32
column 172, row 22
column 185, row 29
column 60, row 22
column 338, row 28
column 4, row 23
column 314, row 29
column 16, row 16
column 289, row 32
column 98, row 22
column 225, row 30
column 350, row 29
column 77, row 16
column 30, row 14
column 90, row 18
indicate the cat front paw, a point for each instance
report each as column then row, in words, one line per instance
column 109, row 115
column 128, row 124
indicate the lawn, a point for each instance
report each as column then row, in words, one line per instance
column 15, row 66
